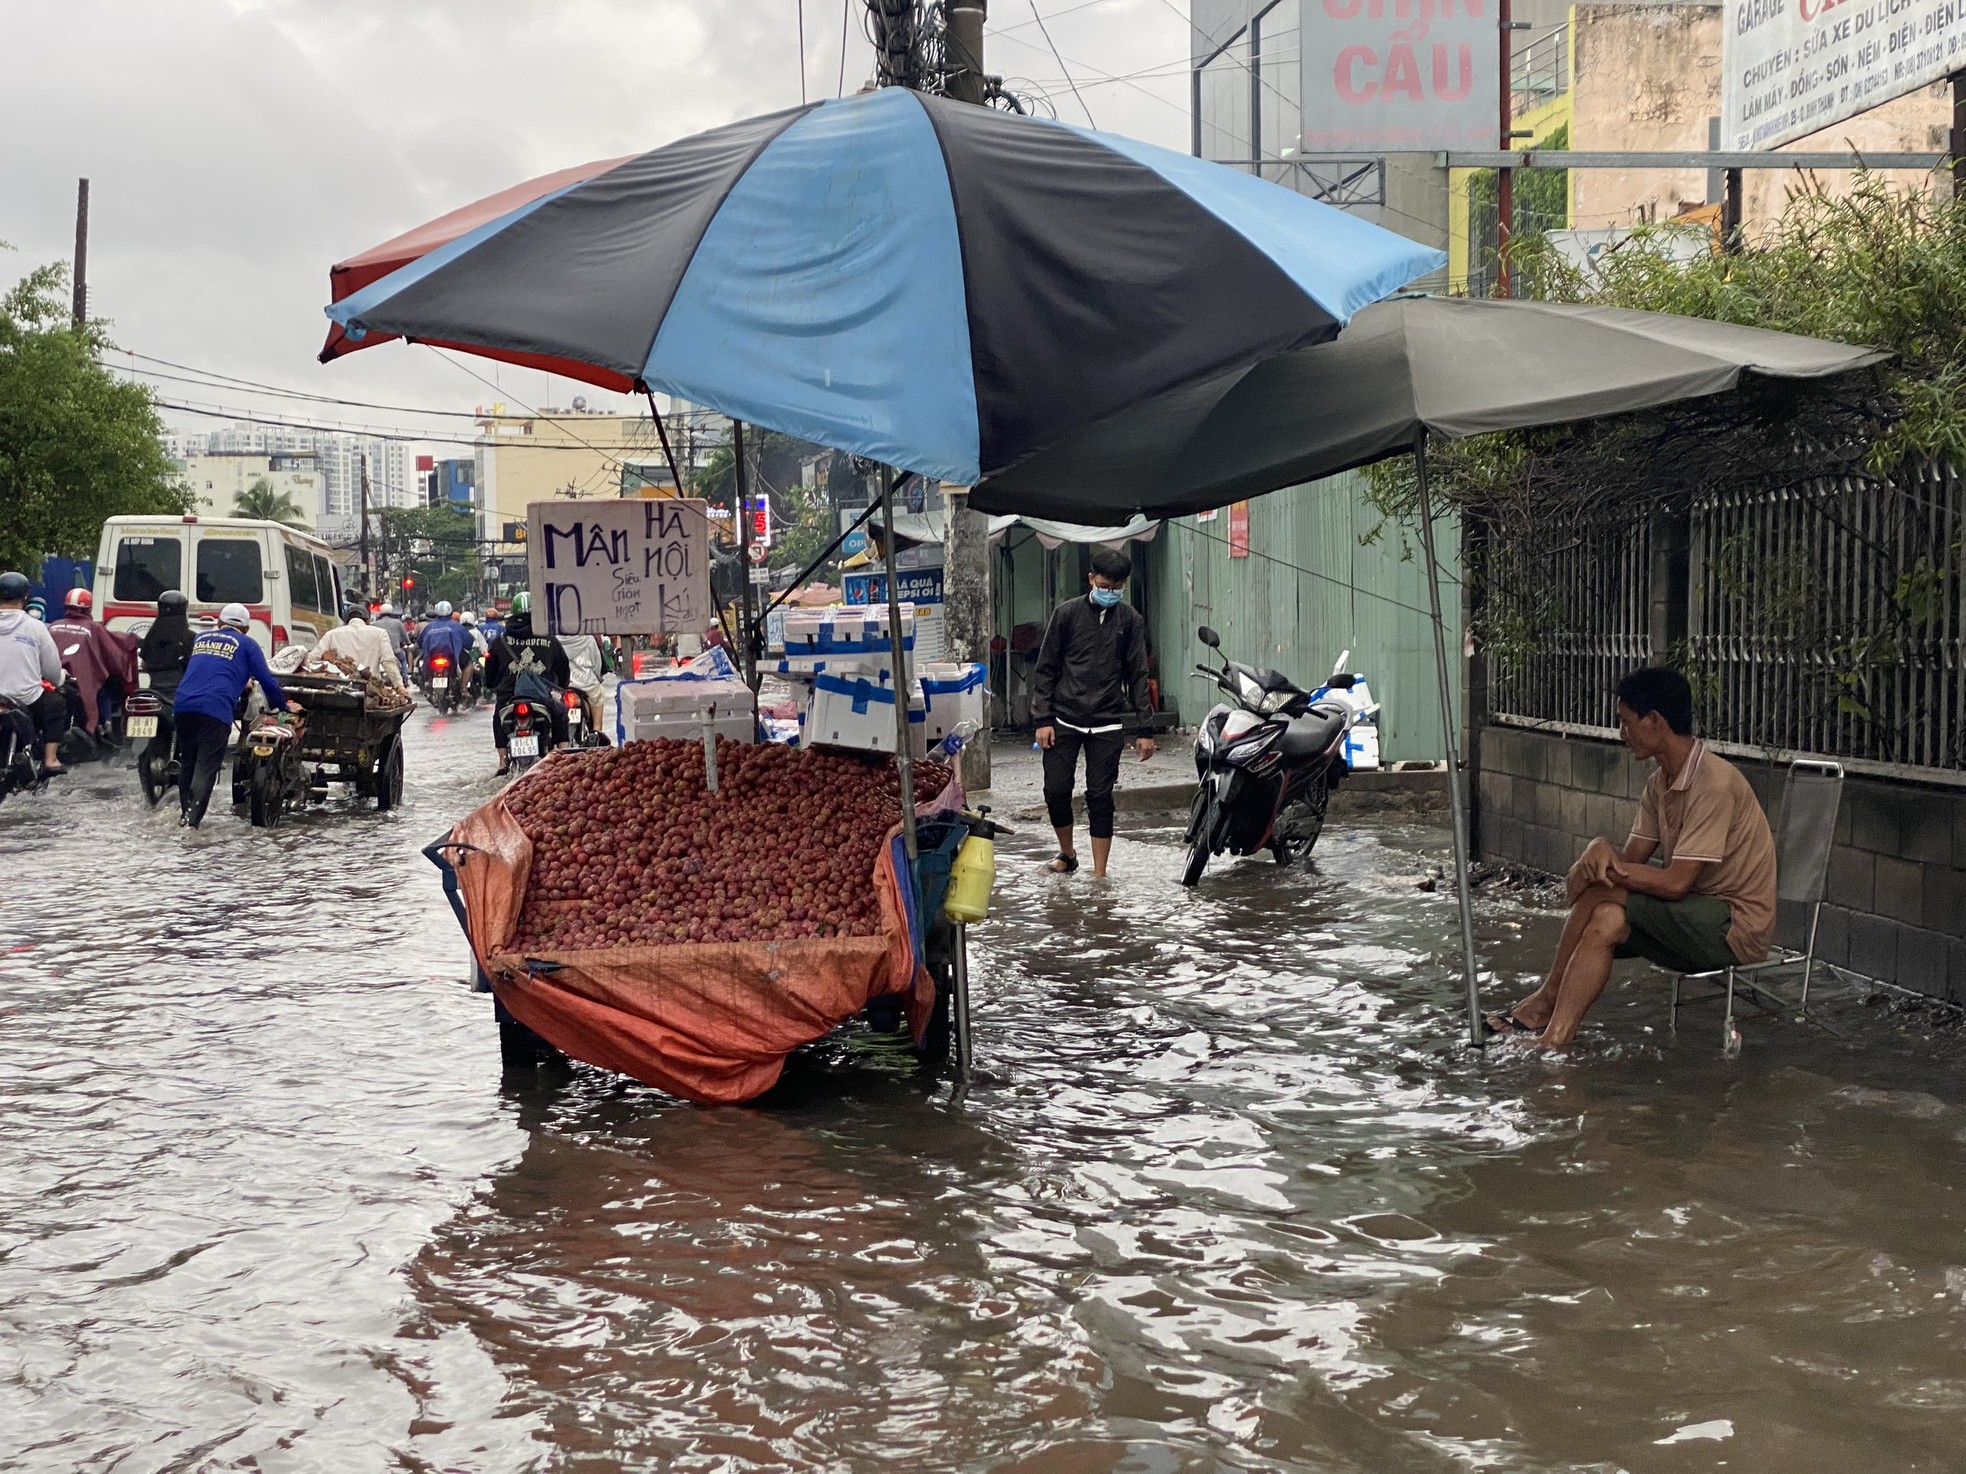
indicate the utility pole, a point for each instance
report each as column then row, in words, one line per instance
column 1505, row 178
column 968, row 612
column 1958, row 149
column 368, row 578
column 81, row 254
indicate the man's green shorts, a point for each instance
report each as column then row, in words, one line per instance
column 1687, row 935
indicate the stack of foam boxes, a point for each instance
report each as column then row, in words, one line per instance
column 843, row 654
column 704, row 695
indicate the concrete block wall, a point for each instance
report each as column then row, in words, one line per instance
column 1895, row 901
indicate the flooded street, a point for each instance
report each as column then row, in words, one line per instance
column 1235, row 1195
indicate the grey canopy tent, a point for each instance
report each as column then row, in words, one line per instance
column 1403, row 370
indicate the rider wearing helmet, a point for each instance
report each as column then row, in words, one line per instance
column 166, row 646
column 390, row 622
column 443, row 635
column 222, row 662
column 102, row 663
column 528, row 665
column 30, row 668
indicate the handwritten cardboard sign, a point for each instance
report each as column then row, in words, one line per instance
column 630, row 567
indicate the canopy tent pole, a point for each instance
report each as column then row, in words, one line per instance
column 1456, row 797
column 747, row 652
column 904, row 761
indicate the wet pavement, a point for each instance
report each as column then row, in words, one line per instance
column 1234, row 1196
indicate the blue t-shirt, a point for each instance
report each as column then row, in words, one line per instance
column 222, row 662
column 446, row 636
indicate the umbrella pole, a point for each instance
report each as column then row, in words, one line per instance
column 904, row 760
column 1456, row 797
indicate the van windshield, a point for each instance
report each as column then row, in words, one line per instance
column 228, row 571
column 145, row 567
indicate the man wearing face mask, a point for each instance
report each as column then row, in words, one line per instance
column 1091, row 688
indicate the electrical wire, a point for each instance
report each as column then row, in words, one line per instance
column 802, row 50
column 846, row 13
column 1348, row 584
column 1045, row 31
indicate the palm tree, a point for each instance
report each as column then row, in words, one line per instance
column 262, row 502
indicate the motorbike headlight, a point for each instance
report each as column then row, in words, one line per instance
column 1245, row 748
column 1275, row 702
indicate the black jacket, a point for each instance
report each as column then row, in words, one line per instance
column 166, row 650
column 1092, row 666
column 519, row 649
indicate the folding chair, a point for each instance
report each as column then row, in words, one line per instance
column 1803, row 836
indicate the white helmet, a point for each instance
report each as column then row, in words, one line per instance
column 391, row 611
column 467, row 617
column 236, row 616
column 443, row 607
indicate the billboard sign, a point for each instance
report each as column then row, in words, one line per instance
column 628, row 567
column 1393, row 76
column 1790, row 68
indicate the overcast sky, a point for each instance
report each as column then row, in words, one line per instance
column 236, row 148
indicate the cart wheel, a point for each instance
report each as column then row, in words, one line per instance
column 389, row 777
column 265, row 796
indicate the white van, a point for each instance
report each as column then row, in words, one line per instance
column 284, row 577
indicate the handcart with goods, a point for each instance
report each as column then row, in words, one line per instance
column 348, row 731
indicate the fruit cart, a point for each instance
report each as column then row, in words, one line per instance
column 342, row 735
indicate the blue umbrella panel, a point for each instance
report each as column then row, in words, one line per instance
column 936, row 286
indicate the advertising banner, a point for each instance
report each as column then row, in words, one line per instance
column 1390, row 76
column 629, row 567
column 1790, row 68
column 1239, row 529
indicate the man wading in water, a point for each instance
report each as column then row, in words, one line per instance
column 1709, row 905
column 1091, row 685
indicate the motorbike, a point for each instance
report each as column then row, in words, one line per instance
column 525, row 730
column 442, row 685
column 579, row 734
column 20, row 751
column 147, row 719
column 1267, row 762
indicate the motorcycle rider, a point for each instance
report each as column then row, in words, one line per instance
column 587, row 662
column 390, row 622
column 222, row 663
column 166, row 646
column 443, row 635
column 492, row 627
column 30, row 667
column 480, row 647
column 528, row 666
column 101, row 661
column 365, row 644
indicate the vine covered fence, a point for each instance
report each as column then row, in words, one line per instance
column 1821, row 618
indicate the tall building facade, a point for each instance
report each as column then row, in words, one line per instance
column 337, row 461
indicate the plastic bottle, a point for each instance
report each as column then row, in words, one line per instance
column 973, row 873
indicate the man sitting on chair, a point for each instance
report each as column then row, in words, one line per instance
column 1708, row 904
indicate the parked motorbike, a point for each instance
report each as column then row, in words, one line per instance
column 1267, row 763
column 20, row 751
column 147, row 719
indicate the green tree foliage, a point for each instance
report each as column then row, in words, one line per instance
column 802, row 516
column 437, row 548
column 77, row 444
column 262, row 501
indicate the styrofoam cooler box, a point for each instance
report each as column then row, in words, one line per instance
column 953, row 693
column 853, row 711
column 678, row 707
column 1362, row 747
column 844, row 630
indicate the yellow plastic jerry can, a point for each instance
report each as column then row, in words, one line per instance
column 973, row 873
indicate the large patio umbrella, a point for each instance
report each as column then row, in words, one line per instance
column 1403, row 371
column 940, row 287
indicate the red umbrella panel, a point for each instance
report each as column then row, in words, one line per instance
column 346, row 277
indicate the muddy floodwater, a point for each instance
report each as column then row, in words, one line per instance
column 1235, row 1196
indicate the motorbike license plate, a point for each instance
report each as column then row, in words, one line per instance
column 142, row 726
column 525, row 747
column 439, row 683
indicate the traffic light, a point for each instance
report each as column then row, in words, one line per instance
column 408, row 584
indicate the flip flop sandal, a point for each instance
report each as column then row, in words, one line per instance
column 1064, row 864
column 1506, row 1023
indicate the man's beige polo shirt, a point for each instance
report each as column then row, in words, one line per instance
column 1710, row 814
